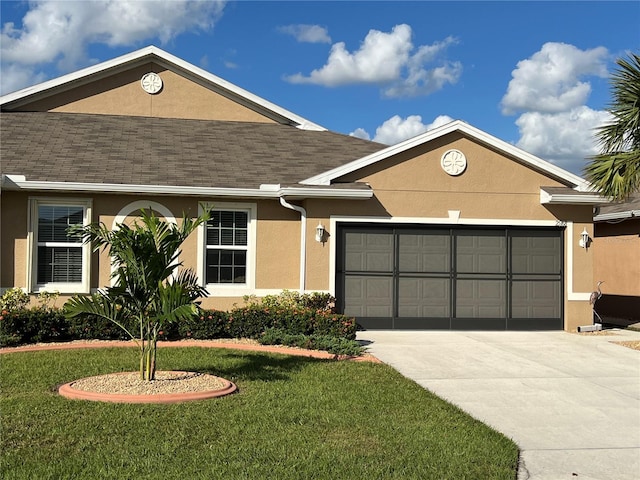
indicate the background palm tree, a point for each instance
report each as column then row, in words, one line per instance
column 615, row 172
column 149, row 287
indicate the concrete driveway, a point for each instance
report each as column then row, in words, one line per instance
column 571, row 402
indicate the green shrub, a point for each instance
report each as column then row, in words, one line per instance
column 334, row 345
column 211, row 324
column 289, row 299
column 307, row 321
column 10, row 331
column 93, row 327
column 33, row 325
column 248, row 322
column 14, row 299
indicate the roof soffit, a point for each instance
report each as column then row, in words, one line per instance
column 163, row 59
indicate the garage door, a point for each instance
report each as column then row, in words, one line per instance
column 450, row 278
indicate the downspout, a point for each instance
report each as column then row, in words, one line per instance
column 303, row 240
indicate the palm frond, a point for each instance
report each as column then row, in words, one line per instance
column 101, row 305
column 615, row 172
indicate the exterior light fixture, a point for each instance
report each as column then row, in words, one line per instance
column 584, row 238
column 320, row 231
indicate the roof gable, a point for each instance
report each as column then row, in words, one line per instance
column 65, row 83
column 542, row 166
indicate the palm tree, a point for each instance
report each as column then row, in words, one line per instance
column 615, row 172
column 148, row 286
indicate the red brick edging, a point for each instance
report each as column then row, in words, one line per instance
column 68, row 391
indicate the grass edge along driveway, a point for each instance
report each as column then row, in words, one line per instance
column 293, row 418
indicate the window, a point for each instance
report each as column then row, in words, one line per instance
column 227, row 242
column 59, row 260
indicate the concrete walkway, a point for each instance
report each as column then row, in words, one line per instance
column 571, row 402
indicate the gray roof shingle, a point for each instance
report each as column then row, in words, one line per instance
column 69, row 147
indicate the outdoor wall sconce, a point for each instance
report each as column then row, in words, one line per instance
column 584, row 238
column 320, row 231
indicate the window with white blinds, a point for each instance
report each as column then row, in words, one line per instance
column 59, row 259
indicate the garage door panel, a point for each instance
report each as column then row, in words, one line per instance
column 423, row 297
column 536, row 299
column 536, row 254
column 368, row 296
column 424, row 253
column 480, row 298
column 481, row 252
column 369, row 252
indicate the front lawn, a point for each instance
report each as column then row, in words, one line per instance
column 293, row 418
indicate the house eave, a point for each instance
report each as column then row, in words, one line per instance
column 607, row 217
column 578, row 198
column 20, row 183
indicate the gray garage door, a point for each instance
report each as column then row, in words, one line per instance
column 450, row 278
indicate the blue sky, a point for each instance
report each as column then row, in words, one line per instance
column 535, row 74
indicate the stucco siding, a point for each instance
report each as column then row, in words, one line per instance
column 277, row 238
column 617, row 251
column 122, row 94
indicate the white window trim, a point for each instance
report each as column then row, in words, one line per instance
column 32, row 247
column 230, row 289
column 133, row 207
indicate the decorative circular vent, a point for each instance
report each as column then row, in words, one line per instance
column 151, row 83
column 453, row 162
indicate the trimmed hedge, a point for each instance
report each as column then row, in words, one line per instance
column 335, row 345
column 33, row 325
column 290, row 313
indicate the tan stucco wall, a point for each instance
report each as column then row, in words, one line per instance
column 577, row 313
column 278, row 247
column 277, row 231
column 616, row 248
column 122, row 95
column 13, row 240
column 493, row 186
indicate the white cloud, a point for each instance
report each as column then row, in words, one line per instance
column 565, row 139
column 14, row 77
column 551, row 89
column 386, row 59
column 307, row 33
column 550, row 80
column 419, row 80
column 55, row 31
column 361, row 133
column 397, row 129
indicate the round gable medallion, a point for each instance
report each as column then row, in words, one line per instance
column 151, row 83
column 453, row 162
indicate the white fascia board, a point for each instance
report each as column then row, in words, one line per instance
column 293, row 193
column 547, row 198
column 617, row 216
column 457, row 125
column 167, row 60
column 79, row 75
column 19, row 182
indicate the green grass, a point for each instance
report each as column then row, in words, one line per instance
column 293, row 418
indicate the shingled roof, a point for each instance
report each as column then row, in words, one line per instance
column 64, row 147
